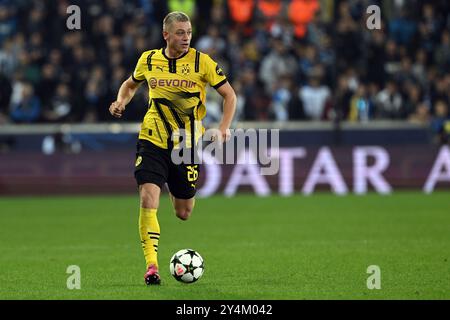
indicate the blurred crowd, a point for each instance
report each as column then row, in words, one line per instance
column 286, row 59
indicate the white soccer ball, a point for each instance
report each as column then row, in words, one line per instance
column 187, row 266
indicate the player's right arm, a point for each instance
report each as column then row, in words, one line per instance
column 126, row 93
column 129, row 87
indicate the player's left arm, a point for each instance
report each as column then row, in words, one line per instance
column 229, row 107
column 216, row 78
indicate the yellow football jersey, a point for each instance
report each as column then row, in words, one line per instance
column 177, row 94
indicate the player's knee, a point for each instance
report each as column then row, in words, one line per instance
column 183, row 213
column 148, row 200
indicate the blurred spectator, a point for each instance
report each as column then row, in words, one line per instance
column 280, row 99
column 95, row 95
column 5, row 94
column 45, row 89
column 442, row 52
column 342, row 97
column 376, row 57
column 8, row 59
column 347, row 38
column 419, row 67
column 402, row 28
column 59, row 108
column 8, row 22
column 361, row 107
column 211, row 42
column 405, row 73
column 314, row 97
column 276, row 64
column 391, row 58
column 296, row 110
column 440, row 123
column 430, row 22
column 234, row 54
column 308, row 59
column 25, row 105
column 257, row 102
column 421, row 115
column 440, row 90
column 282, row 28
column 30, row 71
column 260, row 36
column 413, row 98
column 389, row 102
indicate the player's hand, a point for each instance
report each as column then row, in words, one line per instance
column 222, row 135
column 116, row 109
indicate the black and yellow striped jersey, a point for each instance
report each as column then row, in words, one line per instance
column 177, row 93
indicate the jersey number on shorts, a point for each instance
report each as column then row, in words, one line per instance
column 192, row 173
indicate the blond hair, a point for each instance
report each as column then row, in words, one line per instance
column 177, row 16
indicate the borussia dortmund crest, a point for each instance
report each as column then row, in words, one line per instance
column 185, row 69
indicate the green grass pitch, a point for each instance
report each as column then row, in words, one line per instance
column 316, row 247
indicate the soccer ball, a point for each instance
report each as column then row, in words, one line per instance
column 187, row 266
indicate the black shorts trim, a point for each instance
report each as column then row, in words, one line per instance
column 143, row 177
column 183, row 196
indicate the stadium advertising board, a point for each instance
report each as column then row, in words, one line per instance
column 302, row 170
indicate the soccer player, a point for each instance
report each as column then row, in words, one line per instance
column 176, row 76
